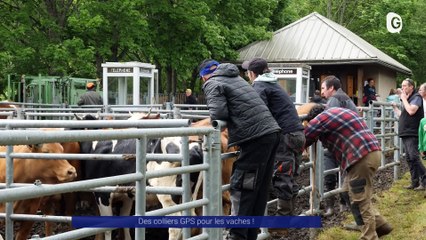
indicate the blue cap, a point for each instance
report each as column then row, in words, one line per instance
column 207, row 67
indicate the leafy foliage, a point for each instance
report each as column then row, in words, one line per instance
column 74, row 37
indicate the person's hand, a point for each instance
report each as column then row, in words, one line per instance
column 403, row 95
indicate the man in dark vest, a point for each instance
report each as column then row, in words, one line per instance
column 409, row 119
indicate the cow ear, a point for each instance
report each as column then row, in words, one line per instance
column 34, row 147
column 77, row 116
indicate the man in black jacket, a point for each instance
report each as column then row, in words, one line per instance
column 91, row 97
column 292, row 139
column 252, row 127
column 189, row 98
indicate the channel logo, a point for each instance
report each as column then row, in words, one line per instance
column 393, row 22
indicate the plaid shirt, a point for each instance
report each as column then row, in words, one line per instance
column 344, row 133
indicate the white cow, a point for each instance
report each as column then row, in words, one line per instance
column 169, row 145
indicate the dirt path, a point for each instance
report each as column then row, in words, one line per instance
column 382, row 182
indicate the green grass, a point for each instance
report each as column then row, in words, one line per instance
column 404, row 209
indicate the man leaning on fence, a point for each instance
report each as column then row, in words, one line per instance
column 344, row 133
column 251, row 127
column 292, row 139
column 331, row 89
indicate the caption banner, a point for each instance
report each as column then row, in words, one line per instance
column 198, row 221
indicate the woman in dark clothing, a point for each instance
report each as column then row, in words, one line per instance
column 369, row 92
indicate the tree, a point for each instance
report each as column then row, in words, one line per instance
column 367, row 19
column 34, row 36
column 185, row 32
column 74, row 37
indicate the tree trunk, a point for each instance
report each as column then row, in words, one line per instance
column 169, row 82
column 329, row 7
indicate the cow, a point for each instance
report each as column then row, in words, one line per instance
column 173, row 145
column 302, row 111
column 170, row 145
column 30, row 170
column 226, row 163
column 65, row 203
column 6, row 105
column 105, row 168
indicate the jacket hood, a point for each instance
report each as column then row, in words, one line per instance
column 226, row 69
column 267, row 77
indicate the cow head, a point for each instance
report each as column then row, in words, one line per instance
column 49, row 171
column 303, row 110
column 87, row 117
column 5, row 105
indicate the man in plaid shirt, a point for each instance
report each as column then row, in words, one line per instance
column 357, row 151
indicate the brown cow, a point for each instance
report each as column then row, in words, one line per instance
column 6, row 105
column 304, row 110
column 226, row 164
column 30, row 170
column 65, row 202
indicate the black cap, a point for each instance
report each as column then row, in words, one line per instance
column 258, row 66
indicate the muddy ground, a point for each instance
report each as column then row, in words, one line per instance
column 383, row 181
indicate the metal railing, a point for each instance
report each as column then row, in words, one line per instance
column 379, row 117
column 210, row 167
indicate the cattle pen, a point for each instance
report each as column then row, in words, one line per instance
column 19, row 131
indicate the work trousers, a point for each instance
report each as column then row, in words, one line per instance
column 330, row 180
column 287, row 161
column 359, row 183
column 250, row 181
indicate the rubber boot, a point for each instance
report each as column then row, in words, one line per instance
column 352, row 227
column 383, row 230
column 284, row 208
column 345, row 202
column 329, row 206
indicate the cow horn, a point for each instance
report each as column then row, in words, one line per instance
column 77, row 117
